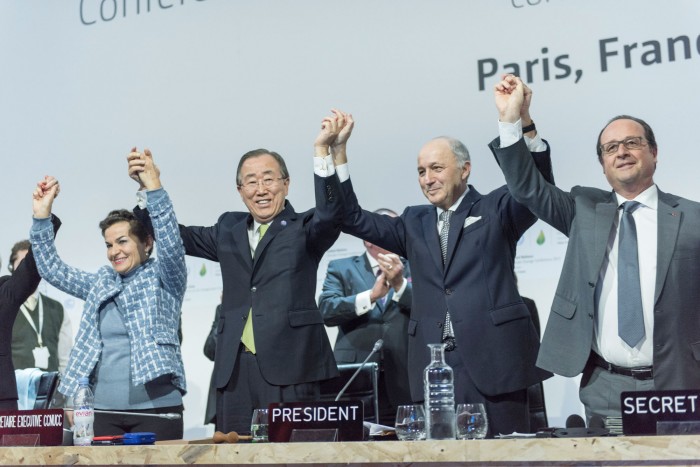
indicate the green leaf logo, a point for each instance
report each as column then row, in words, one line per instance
column 203, row 270
column 540, row 238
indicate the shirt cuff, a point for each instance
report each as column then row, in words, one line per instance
column 363, row 303
column 323, row 166
column 141, row 199
column 399, row 293
column 343, row 172
column 510, row 133
column 535, row 144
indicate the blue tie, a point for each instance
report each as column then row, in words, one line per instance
column 630, row 319
column 383, row 299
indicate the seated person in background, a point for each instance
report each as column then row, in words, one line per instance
column 14, row 290
column 127, row 339
column 42, row 336
column 368, row 297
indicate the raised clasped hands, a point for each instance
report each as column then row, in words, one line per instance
column 513, row 99
column 143, row 170
column 333, row 137
column 42, row 198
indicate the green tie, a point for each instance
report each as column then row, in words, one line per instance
column 248, row 338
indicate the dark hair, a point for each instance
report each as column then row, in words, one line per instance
column 648, row 134
column 22, row 245
column 284, row 173
column 136, row 227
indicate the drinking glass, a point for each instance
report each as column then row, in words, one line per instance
column 410, row 422
column 472, row 422
column 258, row 426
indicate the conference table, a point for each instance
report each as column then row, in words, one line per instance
column 616, row 451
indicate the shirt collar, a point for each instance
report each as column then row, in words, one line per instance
column 373, row 263
column 648, row 198
column 454, row 206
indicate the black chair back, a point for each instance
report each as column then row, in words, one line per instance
column 47, row 386
column 363, row 387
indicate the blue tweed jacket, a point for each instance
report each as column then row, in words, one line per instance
column 150, row 302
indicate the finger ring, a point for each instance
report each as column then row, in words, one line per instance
column 390, row 267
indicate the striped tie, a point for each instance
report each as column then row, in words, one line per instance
column 448, row 335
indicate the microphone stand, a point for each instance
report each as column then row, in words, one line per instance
column 168, row 416
column 377, row 345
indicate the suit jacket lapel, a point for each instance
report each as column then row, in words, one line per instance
column 669, row 222
column 431, row 235
column 457, row 222
column 605, row 214
column 364, row 270
column 280, row 223
column 239, row 235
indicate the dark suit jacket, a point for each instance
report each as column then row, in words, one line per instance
column 534, row 314
column 24, row 338
column 14, row 290
column 586, row 216
column 357, row 335
column 279, row 284
column 210, row 353
column 495, row 335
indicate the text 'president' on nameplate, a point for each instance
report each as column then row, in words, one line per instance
column 344, row 416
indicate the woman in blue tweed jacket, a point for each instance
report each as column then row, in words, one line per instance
column 127, row 341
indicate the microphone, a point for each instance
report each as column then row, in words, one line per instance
column 167, row 416
column 377, row 345
column 575, row 421
column 596, row 422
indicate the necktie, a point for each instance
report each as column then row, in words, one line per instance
column 247, row 337
column 383, row 299
column 630, row 319
column 444, row 232
column 448, row 335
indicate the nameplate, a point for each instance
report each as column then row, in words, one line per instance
column 345, row 416
column 31, row 427
column 641, row 410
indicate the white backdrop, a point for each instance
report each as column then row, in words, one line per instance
column 202, row 82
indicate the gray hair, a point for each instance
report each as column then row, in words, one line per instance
column 458, row 149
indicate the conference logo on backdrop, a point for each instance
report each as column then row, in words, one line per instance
column 103, row 11
column 612, row 53
column 526, row 3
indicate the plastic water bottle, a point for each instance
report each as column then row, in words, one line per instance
column 438, row 381
column 83, row 414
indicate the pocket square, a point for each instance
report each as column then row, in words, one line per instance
column 470, row 220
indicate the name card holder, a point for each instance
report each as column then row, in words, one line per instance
column 31, row 427
column 660, row 412
column 316, row 421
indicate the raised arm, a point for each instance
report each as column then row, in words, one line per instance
column 171, row 252
column 327, row 219
column 71, row 280
column 531, row 184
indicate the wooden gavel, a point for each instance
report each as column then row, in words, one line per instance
column 230, row 437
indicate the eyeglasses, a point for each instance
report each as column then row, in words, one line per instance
column 631, row 142
column 267, row 182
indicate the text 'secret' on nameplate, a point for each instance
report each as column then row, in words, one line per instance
column 660, row 412
column 315, row 421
